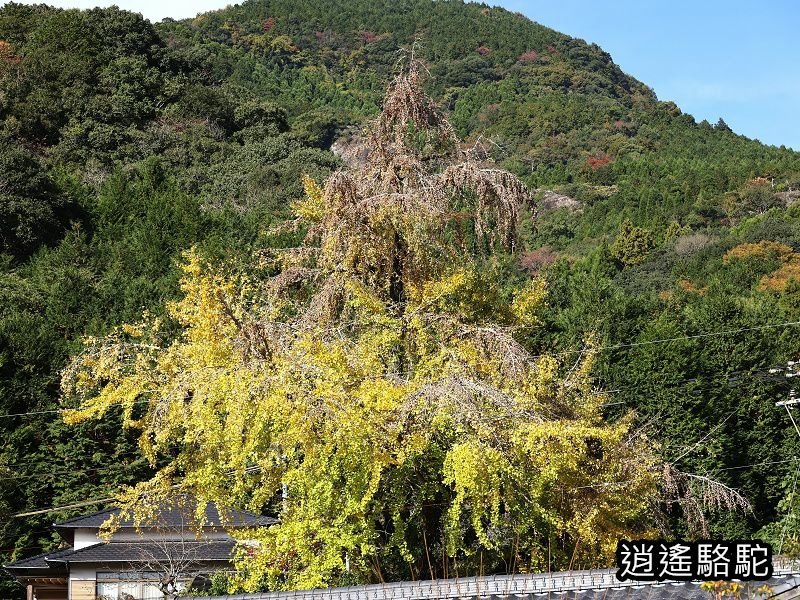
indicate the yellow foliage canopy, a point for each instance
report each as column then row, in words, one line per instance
column 510, row 452
column 762, row 249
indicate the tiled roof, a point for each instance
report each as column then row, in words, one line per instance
column 568, row 585
column 39, row 561
column 132, row 552
column 129, row 552
column 178, row 515
column 98, row 517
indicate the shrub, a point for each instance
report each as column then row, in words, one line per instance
column 692, row 243
column 632, row 244
column 534, row 261
column 763, row 249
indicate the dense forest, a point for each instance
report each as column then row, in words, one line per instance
column 670, row 247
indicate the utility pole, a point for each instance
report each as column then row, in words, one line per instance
column 792, row 369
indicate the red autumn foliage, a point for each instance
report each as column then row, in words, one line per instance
column 534, row 261
column 367, row 37
column 529, row 56
column 483, row 50
column 619, row 124
column 598, row 160
column 551, row 50
column 268, row 24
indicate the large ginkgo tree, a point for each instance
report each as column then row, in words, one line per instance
column 378, row 388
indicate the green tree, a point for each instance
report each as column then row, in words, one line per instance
column 632, row 244
column 30, row 204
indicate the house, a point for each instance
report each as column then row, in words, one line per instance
column 137, row 563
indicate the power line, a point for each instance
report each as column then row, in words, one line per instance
column 65, row 507
column 256, row 469
column 581, row 351
column 750, row 466
column 707, row 435
column 47, row 412
column 679, row 383
column 670, row 385
column 765, row 463
column 630, row 344
column 700, row 335
column 560, row 353
column 650, row 342
column 36, row 412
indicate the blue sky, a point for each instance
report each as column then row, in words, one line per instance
column 735, row 59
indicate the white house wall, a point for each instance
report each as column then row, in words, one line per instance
column 85, row 536
column 88, row 536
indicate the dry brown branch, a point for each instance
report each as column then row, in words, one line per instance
column 498, row 343
column 474, row 401
column 383, row 224
column 174, row 562
column 499, row 198
column 697, row 495
column 409, row 129
column 326, row 305
column 261, row 339
column 290, row 277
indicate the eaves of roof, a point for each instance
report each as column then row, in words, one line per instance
column 171, row 517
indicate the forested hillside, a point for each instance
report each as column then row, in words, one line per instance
column 674, row 246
